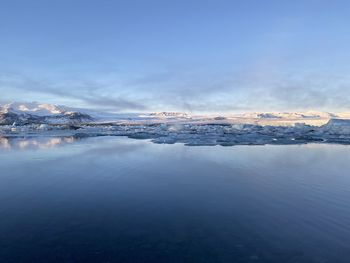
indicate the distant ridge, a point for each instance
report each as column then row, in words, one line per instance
column 290, row 115
column 37, row 113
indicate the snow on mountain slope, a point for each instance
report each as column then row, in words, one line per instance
column 34, row 108
column 290, row 115
column 30, row 113
column 48, row 113
column 165, row 114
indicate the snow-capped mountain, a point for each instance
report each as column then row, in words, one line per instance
column 165, row 114
column 34, row 108
column 37, row 113
column 290, row 115
column 43, row 113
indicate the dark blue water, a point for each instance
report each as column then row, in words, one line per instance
column 111, row 199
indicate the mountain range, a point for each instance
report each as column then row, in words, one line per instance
column 42, row 113
column 37, row 113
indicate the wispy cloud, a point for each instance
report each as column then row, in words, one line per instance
column 191, row 90
column 86, row 92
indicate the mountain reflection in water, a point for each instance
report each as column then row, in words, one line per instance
column 10, row 143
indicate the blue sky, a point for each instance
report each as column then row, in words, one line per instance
column 184, row 55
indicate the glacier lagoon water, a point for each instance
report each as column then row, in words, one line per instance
column 114, row 199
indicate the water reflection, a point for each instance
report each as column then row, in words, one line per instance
column 113, row 199
column 12, row 143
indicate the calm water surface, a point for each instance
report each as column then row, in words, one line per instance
column 111, row 199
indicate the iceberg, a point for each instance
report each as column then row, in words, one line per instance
column 172, row 127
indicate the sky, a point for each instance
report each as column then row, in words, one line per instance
column 179, row 55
